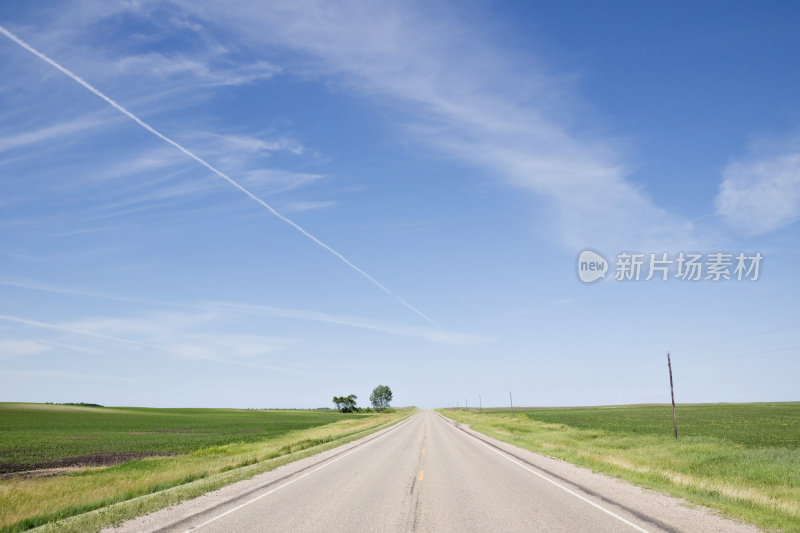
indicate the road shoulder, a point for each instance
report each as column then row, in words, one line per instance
column 673, row 514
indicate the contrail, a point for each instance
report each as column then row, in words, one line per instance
column 213, row 169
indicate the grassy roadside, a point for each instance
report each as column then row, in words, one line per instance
column 743, row 460
column 35, row 436
column 94, row 498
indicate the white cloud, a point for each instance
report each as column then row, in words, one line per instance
column 204, row 70
column 141, row 162
column 60, row 131
column 295, row 207
column 187, row 335
column 428, row 333
column 277, row 180
column 247, row 144
column 162, row 327
column 68, row 34
column 61, row 376
column 464, row 95
column 229, row 346
column 15, row 348
column 762, row 193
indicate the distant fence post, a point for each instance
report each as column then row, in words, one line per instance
column 672, row 393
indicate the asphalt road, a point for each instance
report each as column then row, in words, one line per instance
column 429, row 474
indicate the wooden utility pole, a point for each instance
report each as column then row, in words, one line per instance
column 672, row 393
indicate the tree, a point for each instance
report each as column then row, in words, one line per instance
column 381, row 397
column 349, row 405
column 346, row 404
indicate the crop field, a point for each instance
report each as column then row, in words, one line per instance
column 756, row 424
column 40, row 435
column 58, row 461
column 742, row 459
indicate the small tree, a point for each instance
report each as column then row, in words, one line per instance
column 346, row 404
column 381, row 397
column 350, row 404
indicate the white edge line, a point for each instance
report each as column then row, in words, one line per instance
column 279, row 487
column 562, row 487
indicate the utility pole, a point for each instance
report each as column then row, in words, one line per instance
column 480, row 404
column 672, row 393
column 511, row 401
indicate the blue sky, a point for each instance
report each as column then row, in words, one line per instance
column 459, row 154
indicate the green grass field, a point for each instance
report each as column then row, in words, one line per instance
column 32, row 434
column 201, row 449
column 742, row 459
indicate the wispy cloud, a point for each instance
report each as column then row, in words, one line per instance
column 431, row 334
column 185, row 335
column 141, row 162
column 75, row 329
column 189, row 334
column 235, row 184
column 277, row 181
column 22, row 347
column 246, row 155
column 761, row 193
column 201, row 70
column 223, row 144
column 469, row 98
column 22, row 283
column 196, row 315
column 294, row 207
column 194, row 60
column 48, row 133
column 60, row 375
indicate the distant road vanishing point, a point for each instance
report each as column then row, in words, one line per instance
column 429, row 474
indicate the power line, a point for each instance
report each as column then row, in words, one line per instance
column 748, row 354
column 651, row 359
column 707, row 359
column 748, row 335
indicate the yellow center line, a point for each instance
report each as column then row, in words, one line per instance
column 421, row 472
column 423, row 450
